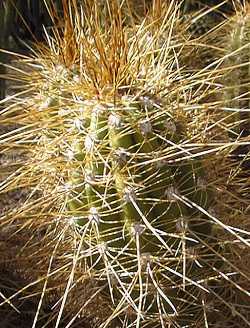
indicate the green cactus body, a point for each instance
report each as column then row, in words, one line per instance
column 237, row 80
column 127, row 197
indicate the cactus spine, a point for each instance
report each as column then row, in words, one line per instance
column 237, row 80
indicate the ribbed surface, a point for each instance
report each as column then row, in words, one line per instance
column 131, row 202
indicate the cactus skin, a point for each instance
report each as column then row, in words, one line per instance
column 107, row 118
column 127, row 198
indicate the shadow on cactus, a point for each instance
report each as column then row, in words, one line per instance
column 124, row 194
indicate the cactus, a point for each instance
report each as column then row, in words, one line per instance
column 237, row 80
column 231, row 53
column 128, row 199
column 106, row 121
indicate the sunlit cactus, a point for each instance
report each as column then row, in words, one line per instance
column 120, row 175
column 236, row 43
